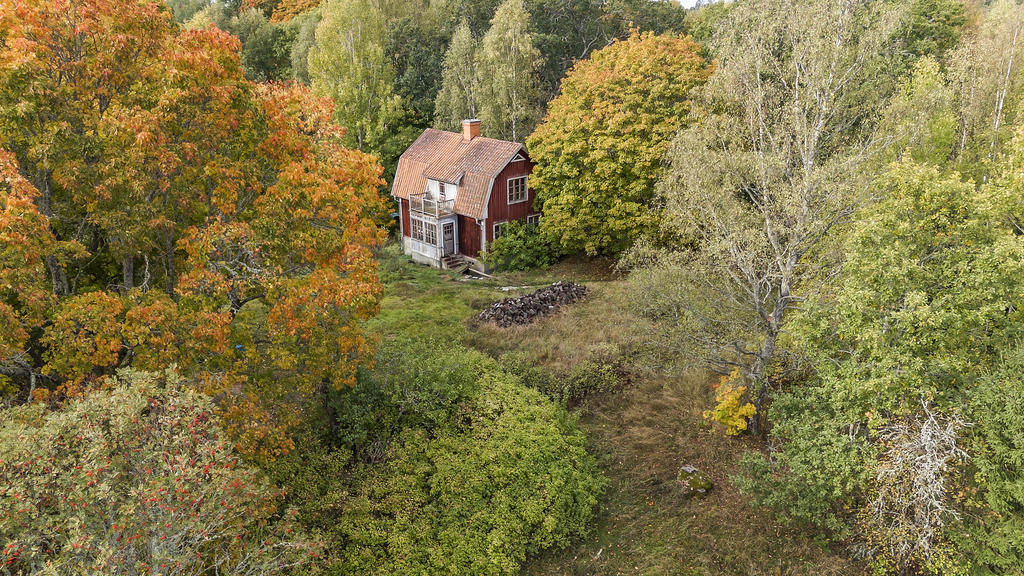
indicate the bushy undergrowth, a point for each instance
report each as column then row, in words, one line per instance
column 137, row 478
column 592, row 376
column 521, row 247
column 459, row 468
column 414, row 384
column 509, row 479
column 996, row 541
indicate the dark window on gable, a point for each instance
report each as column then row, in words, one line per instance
column 499, row 229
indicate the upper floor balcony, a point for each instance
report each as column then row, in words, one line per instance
column 424, row 205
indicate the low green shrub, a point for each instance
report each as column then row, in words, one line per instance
column 596, row 375
column 413, row 384
column 520, row 247
column 817, row 477
column 588, row 378
column 510, row 479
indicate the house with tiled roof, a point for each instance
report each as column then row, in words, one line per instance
column 457, row 192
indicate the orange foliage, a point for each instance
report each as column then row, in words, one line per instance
column 288, row 9
column 25, row 239
column 164, row 210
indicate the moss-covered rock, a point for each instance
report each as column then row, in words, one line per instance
column 693, row 481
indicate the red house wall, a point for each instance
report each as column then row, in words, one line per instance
column 469, row 236
column 404, row 211
column 499, row 210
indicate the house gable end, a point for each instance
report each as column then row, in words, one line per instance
column 498, row 209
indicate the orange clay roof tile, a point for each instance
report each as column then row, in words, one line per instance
column 447, row 157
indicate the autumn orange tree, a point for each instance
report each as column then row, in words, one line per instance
column 599, row 150
column 156, row 208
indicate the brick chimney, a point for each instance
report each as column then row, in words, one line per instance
column 470, row 129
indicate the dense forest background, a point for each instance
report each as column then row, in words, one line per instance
column 426, row 63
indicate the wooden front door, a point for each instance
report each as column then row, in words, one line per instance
column 448, row 233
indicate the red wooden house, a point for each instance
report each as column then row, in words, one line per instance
column 456, row 192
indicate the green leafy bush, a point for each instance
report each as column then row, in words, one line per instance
column 588, row 378
column 510, row 478
column 520, row 247
column 820, row 475
column 592, row 376
column 414, row 384
column 135, row 479
column 996, row 539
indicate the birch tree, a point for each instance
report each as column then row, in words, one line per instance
column 508, row 71
column 754, row 191
column 348, row 64
column 986, row 71
column 457, row 99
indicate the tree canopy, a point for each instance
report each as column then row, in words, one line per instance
column 169, row 199
column 508, row 64
column 136, row 478
column 598, row 151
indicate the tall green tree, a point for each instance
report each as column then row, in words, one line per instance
column 348, row 64
column 922, row 116
column 476, row 13
column 567, row 31
column 266, row 46
column 987, row 72
column 927, row 302
column 305, row 38
column 934, row 27
column 755, row 188
column 416, row 47
column 657, row 16
column 599, row 149
column 459, row 96
column 508, row 72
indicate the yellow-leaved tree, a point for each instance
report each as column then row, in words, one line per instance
column 599, row 150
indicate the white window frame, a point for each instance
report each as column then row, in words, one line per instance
column 525, row 190
column 416, row 229
column 430, row 233
column 533, row 220
column 423, row 231
column 499, row 229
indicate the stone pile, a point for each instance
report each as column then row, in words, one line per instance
column 527, row 308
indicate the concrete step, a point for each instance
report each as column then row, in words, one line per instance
column 455, row 262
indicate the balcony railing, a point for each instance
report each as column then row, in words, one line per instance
column 425, row 205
